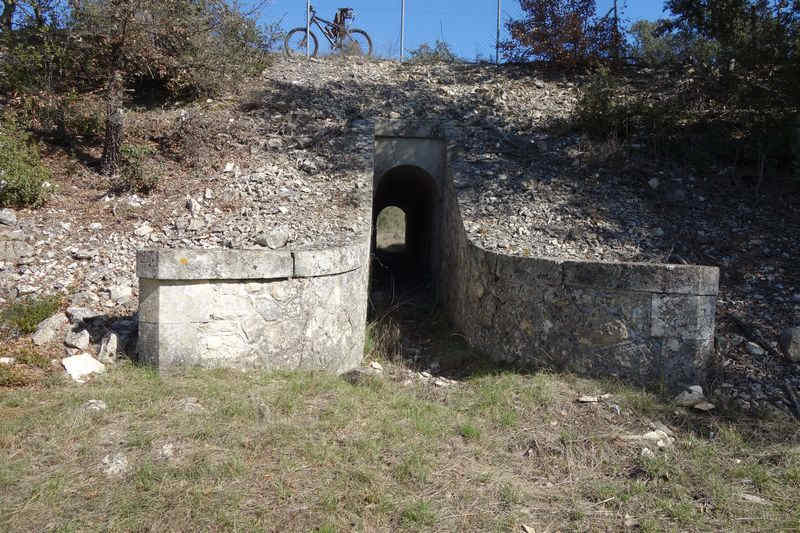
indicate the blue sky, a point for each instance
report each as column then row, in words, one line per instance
column 469, row 26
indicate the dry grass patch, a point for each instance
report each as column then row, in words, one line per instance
column 219, row 450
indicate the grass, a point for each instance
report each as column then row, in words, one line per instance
column 24, row 315
column 311, row 452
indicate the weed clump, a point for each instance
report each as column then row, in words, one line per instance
column 24, row 316
column 23, row 178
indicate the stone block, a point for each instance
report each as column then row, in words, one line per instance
column 309, row 263
column 674, row 279
column 168, row 264
column 529, row 270
column 685, row 317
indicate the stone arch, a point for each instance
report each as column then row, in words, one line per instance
column 416, row 192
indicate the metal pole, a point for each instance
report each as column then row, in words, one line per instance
column 402, row 29
column 308, row 29
column 497, row 40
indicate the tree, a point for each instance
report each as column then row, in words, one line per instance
column 565, row 32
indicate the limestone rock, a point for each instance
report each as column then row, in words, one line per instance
column 84, row 254
column 7, row 361
column 81, row 366
column 78, row 339
column 754, row 349
column 50, row 329
column 12, row 250
column 8, row 217
column 78, row 315
column 190, row 405
column 95, row 405
column 691, row 396
column 115, row 465
column 790, row 343
column 108, row 348
column 274, row 239
column 120, row 293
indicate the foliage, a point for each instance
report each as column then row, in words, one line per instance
column 181, row 47
column 563, row 32
column 439, row 53
column 25, row 315
column 134, row 174
column 23, row 178
column 655, row 46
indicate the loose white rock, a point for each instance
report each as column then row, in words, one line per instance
column 116, row 465
column 376, row 365
column 8, row 361
column 50, row 329
column 81, row 366
column 108, row 348
column 78, row 339
column 690, row 397
column 95, row 405
column 8, row 217
column 120, row 293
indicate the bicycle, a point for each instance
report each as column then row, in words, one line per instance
column 338, row 33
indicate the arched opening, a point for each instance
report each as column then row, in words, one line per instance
column 390, row 230
column 413, row 193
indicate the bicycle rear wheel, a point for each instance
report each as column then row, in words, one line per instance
column 357, row 42
column 295, row 43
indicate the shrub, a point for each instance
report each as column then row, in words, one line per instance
column 134, row 174
column 23, row 178
column 25, row 315
column 563, row 32
column 439, row 53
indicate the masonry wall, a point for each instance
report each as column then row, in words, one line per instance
column 252, row 309
column 650, row 324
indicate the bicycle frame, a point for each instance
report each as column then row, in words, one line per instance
column 326, row 28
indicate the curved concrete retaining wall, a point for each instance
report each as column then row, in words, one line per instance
column 253, row 309
column 652, row 324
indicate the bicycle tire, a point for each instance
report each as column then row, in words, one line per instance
column 300, row 51
column 363, row 34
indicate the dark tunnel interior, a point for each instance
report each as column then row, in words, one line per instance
column 414, row 191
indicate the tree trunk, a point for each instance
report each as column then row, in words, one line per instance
column 7, row 16
column 115, row 121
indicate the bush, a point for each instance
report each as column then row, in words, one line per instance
column 655, row 46
column 180, row 48
column 440, row 53
column 23, row 178
column 563, row 32
column 134, row 175
column 25, row 315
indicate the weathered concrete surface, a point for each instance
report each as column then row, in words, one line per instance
column 284, row 323
column 262, row 309
column 648, row 323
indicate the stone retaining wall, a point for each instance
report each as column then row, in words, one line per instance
column 651, row 324
column 648, row 323
column 253, row 309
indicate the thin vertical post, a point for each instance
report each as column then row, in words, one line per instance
column 308, row 29
column 402, row 29
column 497, row 40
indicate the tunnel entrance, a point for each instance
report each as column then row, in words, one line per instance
column 406, row 224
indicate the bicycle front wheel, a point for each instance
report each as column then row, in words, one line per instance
column 295, row 43
column 357, row 42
